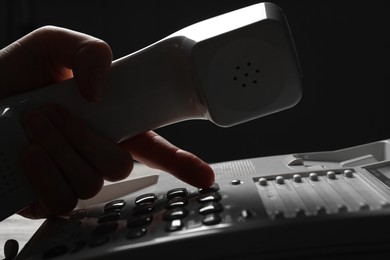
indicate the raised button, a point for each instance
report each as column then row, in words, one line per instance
column 280, row 180
column 178, row 192
column 342, row 209
column 278, row 214
column 176, row 213
column 174, row 225
column 214, row 187
column 263, row 181
column 109, row 216
column 385, row 204
column 364, row 206
column 313, row 176
column 211, row 219
column 297, row 178
column 114, row 205
column 300, row 213
column 331, row 175
column 320, row 211
column 236, row 182
column 145, row 199
column 209, row 197
column 348, row 173
column 176, row 202
column 211, row 207
column 244, row 215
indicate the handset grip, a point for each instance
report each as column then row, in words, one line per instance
column 145, row 90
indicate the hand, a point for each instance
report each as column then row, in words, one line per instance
column 65, row 160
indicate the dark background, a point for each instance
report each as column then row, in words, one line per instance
column 343, row 49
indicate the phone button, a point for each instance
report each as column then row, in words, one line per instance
column 211, row 219
column 212, row 207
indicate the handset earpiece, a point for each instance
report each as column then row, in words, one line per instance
column 228, row 69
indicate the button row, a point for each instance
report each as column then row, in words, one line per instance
column 313, row 176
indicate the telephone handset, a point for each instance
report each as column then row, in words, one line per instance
column 228, row 69
column 324, row 205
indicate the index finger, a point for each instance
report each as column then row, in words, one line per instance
column 154, row 151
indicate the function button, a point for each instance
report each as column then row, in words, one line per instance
column 211, row 219
column 209, row 197
column 114, row 205
column 176, row 213
column 145, row 198
column 313, row 176
column 105, row 228
column 348, row 173
column 263, row 181
column 98, row 241
column 55, row 252
column 78, row 214
column 178, row 192
column 278, row 214
column 236, row 182
column 211, row 207
column 136, row 233
column 212, row 188
column 174, row 225
column 342, row 209
column 300, row 213
column 297, row 178
column 279, row 180
column 143, row 209
column 244, row 215
column 385, row 204
column 109, row 216
column 331, row 175
column 139, row 221
column 364, row 206
column 176, row 202
column 320, row 211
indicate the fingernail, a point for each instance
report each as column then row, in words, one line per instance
column 55, row 116
column 36, row 124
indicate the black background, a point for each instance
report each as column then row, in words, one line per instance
column 343, row 49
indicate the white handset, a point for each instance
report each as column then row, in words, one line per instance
column 228, row 69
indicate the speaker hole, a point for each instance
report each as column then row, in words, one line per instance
column 246, row 74
column 238, row 68
column 255, row 82
column 249, row 64
column 235, row 78
column 257, row 71
column 243, row 85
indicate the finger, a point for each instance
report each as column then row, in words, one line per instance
column 50, row 54
column 154, row 151
column 46, row 179
column 110, row 160
column 80, row 175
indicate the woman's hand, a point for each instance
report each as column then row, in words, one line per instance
column 65, row 161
